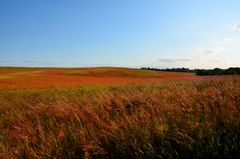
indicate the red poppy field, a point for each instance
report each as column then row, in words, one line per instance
column 117, row 113
column 57, row 77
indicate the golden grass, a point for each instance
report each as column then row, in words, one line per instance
column 176, row 119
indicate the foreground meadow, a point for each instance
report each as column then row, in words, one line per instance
column 189, row 118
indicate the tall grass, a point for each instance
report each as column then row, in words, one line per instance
column 181, row 119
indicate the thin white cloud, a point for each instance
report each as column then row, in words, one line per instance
column 214, row 50
column 230, row 40
column 215, row 61
column 201, row 62
column 173, row 60
column 236, row 26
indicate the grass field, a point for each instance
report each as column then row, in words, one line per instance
column 54, row 77
column 117, row 113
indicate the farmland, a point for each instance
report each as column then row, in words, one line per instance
column 117, row 113
column 11, row 77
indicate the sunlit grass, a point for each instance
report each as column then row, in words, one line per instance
column 175, row 119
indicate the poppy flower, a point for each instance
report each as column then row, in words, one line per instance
column 60, row 134
column 121, row 122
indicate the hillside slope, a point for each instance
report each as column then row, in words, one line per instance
column 16, row 77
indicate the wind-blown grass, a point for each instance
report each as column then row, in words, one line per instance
column 175, row 119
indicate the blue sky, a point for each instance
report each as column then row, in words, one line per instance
column 129, row 33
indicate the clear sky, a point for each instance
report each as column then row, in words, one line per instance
column 129, row 33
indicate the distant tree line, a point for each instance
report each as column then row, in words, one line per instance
column 182, row 69
column 200, row 72
column 218, row 71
